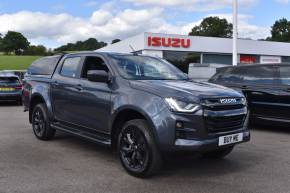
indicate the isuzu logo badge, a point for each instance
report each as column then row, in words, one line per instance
column 228, row 101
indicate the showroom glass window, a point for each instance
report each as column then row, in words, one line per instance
column 181, row 59
column 70, row 67
column 285, row 75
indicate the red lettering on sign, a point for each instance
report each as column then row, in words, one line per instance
column 168, row 42
column 175, row 42
column 185, row 45
column 156, row 41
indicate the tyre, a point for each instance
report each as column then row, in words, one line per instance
column 19, row 102
column 137, row 149
column 40, row 123
column 218, row 154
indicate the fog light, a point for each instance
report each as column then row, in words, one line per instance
column 179, row 125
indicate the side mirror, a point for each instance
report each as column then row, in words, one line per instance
column 98, row 76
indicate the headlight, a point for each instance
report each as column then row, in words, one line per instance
column 180, row 106
column 244, row 101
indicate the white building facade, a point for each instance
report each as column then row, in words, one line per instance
column 182, row 50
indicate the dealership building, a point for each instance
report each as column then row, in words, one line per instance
column 182, row 50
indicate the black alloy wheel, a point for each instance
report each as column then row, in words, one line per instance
column 134, row 149
column 40, row 124
column 137, row 148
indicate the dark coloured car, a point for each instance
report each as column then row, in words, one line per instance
column 266, row 87
column 10, row 88
column 141, row 105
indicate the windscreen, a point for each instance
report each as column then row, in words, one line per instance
column 146, row 68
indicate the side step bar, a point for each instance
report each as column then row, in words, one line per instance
column 90, row 137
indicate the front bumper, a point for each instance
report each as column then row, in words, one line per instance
column 196, row 134
column 10, row 96
column 205, row 145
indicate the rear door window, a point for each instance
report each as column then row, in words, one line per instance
column 285, row 75
column 70, row 67
column 43, row 66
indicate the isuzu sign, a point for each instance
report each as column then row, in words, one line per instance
column 168, row 42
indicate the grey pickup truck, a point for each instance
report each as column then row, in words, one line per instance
column 141, row 105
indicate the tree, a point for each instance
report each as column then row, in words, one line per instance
column 14, row 42
column 39, row 50
column 115, row 41
column 280, row 31
column 213, row 27
column 89, row 44
column 1, row 44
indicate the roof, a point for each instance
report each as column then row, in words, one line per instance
column 8, row 75
column 256, row 65
column 202, row 44
column 91, row 53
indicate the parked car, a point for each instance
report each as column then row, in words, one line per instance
column 19, row 73
column 266, row 87
column 10, row 87
column 141, row 105
column 203, row 72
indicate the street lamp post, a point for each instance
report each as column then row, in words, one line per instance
column 235, row 32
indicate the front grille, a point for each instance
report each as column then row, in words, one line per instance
column 232, row 116
column 219, row 124
column 215, row 104
column 184, row 134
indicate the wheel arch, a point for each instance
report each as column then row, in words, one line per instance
column 124, row 114
column 35, row 100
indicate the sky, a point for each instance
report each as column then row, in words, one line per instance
column 53, row 23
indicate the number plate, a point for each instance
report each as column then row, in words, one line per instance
column 230, row 139
column 7, row 89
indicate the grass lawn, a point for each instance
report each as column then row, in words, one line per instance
column 16, row 62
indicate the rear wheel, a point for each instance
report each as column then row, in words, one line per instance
column 19, row 102
column 137, row 149
column 218, row 154
column 40, row 123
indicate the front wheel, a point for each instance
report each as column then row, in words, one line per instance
column 137, row 149
column 220, row 153
column 40, row 123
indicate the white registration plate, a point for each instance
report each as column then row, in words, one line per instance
column 230, row 139
column 6, row 89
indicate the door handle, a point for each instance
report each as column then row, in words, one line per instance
column 79, row 87
column 244, row 87
column 257, row 93
column 55, row 83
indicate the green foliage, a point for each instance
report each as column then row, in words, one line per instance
column 89, row 44
column 39, row 50
column 115, row 41
column 16, row 62
column 213, row 27
column 14, row 42
column 1, row 44
column 280, row 31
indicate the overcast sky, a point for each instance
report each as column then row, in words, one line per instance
column 53, row 23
